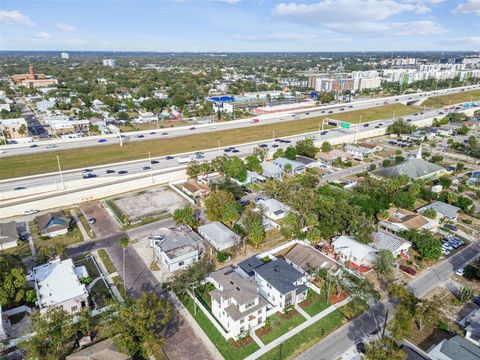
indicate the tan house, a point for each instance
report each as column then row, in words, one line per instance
column 103, row 350
column 403, row 219
column 53, row 224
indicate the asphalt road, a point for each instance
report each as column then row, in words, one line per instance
column 136, row 167
column 337, row 343
column 185, row 130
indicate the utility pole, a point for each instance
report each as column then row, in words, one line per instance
column 393, row 117
column 151, row 170
column 120, row 139
column 60, row 172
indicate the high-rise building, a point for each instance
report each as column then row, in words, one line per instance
column 109, row 62
column 65, row 55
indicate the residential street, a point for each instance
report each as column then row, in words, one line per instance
column 345, row 337
column 183, row 342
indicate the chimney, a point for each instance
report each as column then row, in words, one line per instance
column 31, row 72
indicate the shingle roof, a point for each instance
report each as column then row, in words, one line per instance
column 310, row 259
column 250, row 264
column 413, row 168
column 458, row 348
column 442, row 208
column 280, row 275
column 8, row 232
column 409, row 219
column 283, row 161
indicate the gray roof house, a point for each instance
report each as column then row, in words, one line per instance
column 414, row 168
column 248, row 266
column 178, row 248
column 280, row 283
column 218, row 235
column 297, row 167
column 270, row 170
column 456, row 348
column 442, row 209
column 384, row 240
column 8, row 235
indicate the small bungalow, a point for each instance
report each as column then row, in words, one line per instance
column 403, row 219
column 357, row 255
column 296, row 167
column 273, row 209
column 218, row 235
column 383, row 240
column 443, row 210
column 271, row 170
column 53, row 224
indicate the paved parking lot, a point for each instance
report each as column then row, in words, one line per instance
column 150, row 202
column 104, row 225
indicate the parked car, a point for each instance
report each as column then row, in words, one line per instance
column 92, row 220
column 459, row 272
column 408, row 270
column 451, row 227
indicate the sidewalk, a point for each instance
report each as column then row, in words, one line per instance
column 85, row 235
column 299, row 328
column 30, row 241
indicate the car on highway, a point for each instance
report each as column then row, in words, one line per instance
column 342, row 109
column 30, row 212
column 33, row 145
column 164, row 133
column 19, row 188
column 192, row 128
column 376, row 127
column 140, row 136
column 51, row 146
column 324, row 133
column 275, row 145
column 89, row 175
column 351, row 106
column 255, row 120
column 330, row 112
column 146, row 168
column 121, row 172
column 263, row 145
column 286, row 141
column 213, row 128
column 409, row 120
column 366, row 125
column 169, row 157
column 307, row 113
column 227, row 150
column 415, row 114
column 110, row 171
column 154, row 162
column 153, row 133
column 408, row 270
column 84, row 171
column 102, row 140
column 235, row 151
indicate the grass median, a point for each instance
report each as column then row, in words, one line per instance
column 43, row 162
column 445, row 100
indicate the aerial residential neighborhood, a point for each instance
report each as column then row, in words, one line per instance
column 240, row 180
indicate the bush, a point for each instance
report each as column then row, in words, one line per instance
column 387, row 163
column 443, row 326
column 445, row 181
column 373, row 167
column 222, row 257
column 471, row 272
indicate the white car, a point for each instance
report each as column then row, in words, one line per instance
column 30, row 212
column 52, row 146
column 2, row 151
column 459, row 272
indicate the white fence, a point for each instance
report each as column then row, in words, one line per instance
column 18, row 310
column 180, row 192
column 210, row 317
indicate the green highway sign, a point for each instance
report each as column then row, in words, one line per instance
column 345, row 125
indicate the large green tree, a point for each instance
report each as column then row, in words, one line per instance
column 185, row 216
column 383, row 349
column 221, row 206
column 13, row 283
column 383, row 264
column 306, row 148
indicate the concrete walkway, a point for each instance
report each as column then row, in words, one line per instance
column 312, row 320
column 75, row 218
column 256, row 339
column 30, row 241
column 302, row 312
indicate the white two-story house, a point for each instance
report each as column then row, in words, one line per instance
column 236, row 304
column 281, row 284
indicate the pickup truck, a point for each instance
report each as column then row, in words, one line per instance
column 185, row 160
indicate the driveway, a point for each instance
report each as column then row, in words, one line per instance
column 104, row 225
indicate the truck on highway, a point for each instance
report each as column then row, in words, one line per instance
column 185, row 159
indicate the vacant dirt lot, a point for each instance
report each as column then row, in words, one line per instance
column 150, row 202
column 104, row 225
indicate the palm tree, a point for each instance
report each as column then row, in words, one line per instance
column 124, row 242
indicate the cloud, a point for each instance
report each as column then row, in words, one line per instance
column 65, row 27
column 460, row 41
column 42, row 35
column 468, row 7
column 366, row 17
column 15, row 17
column 275, row 37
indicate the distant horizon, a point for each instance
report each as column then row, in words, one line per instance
column 240, row 25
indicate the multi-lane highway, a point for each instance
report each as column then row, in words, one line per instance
column 74, row 178
column 65, row 144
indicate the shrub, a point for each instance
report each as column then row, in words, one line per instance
column 222, row 257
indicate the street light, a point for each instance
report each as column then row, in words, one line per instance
column 60, row 172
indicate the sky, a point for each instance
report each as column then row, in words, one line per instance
column 240, row 25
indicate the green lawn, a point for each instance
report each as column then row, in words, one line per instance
column 106, row 261
column 100, row 294
column 72, row 237
column 319, row 304
column 281, row 325
column 22, row 250
column 89, row 263
column 306, row 338
column 202, row 292
column 228, row 351
column 445, row 100
column 42, row 162
column 117, row 280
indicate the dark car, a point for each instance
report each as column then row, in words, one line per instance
column 146, row 168
column 169, row 157
column 351, row 106
column 110, row 171
column 307, row 113
column 440, row 113
column 451, row 227
column 247, row 191
column 342, row 109
column 102, row 140
column 365, row 125
column 89, row 175
column 140, row 136
column 154, row 162
column 376, row 127
column 235, row 151
column 409, row 120
column 476, row 300
column 244, row 202
column 263, row 145
column 323, row 132
column 408, row 270
column 123, row 172
column 227, row 150
column 360, row 347
column 330, row 112
column 33, row 145
column 286, row 141
column 19, row 188
column 164, row 133
column 275, row 145
column 153, row 133
column 192, row 128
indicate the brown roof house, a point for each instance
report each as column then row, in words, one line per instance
column 53, row 224
column 402, row 219
column 103, row 350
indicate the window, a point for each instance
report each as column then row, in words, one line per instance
column 74, row 308
column 249, row 304
column 259, row 312
column 181, row 263
column 242, row 321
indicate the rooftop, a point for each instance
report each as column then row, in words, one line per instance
column 219, row 234
column 413, row 168
column 280, row 274
column 175, row 243
column 357, row 249
column 248, row 265
column 442, row 208
column 8, row 232
column 458, row 348
column 308, row 259
column 56, row 282
column 383, row 240
column 409, row 219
